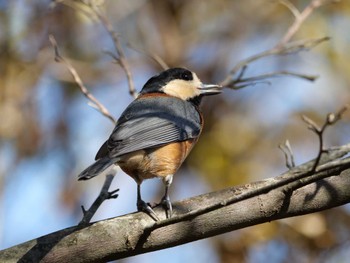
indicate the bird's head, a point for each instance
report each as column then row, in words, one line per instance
column 180, row 83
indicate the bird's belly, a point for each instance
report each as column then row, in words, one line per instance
column 156, row 162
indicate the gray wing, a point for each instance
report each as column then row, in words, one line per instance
column 151, row 122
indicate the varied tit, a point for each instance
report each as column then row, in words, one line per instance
column 156, row 132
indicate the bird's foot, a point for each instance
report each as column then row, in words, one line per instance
column 167, row 206
column 144, row 207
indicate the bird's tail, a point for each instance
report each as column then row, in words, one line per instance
column 96, row 168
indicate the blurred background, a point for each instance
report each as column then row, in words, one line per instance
column 48, row 133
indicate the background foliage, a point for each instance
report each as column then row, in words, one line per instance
column 48, row 133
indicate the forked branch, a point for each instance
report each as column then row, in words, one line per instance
column 120, row 59
column 300, row 18
column 288, row 154
column 105, row 194
column 331, row 119
column 284, row 47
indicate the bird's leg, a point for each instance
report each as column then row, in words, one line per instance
column 143, row 206
column 166, row 199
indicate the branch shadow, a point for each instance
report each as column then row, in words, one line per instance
column 332, row 192
column 329, row 191
column 46, row 243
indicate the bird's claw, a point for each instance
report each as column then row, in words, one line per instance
column 144, row 207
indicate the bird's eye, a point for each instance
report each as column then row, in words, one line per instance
column 186, row 76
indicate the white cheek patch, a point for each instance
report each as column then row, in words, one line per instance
column 182, row 89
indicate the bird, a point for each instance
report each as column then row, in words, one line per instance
column 156, row 132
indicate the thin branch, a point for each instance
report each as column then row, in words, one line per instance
column 104, row 195
column 95, row 14
column 287, row 49
column 283, row 47
column 300, row 17
column 244, row 82
column 315, row 176
column 331, row 119
column 288, row 154
column 248, row 84
column 121, row 59
column 282, row 73
column 94, row 102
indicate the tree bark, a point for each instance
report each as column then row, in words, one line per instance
column 136, row 233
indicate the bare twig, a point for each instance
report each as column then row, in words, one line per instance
column 240, row 82
column 93, row 101
column 288, row 154
column 282, row 73
column 316, row 170
column 331, row 119
column 96, row 14
column 287, row 49
column 283, row 47
column 121, row 59
column 104, row 195
column 300, row 17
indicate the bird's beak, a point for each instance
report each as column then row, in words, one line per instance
column 210, row 89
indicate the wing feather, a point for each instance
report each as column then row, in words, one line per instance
column 150, row 122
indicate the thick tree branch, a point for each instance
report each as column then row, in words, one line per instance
column 137, row 233
column 294, row 180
